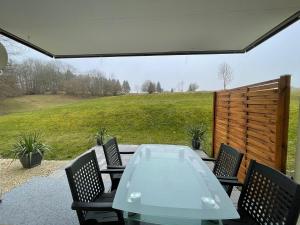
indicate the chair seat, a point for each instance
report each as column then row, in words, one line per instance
column 105, row 217
column 106, row 197
column 116, row 176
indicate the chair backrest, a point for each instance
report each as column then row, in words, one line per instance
column 228, row 161
column 111, row 152
column 269, row 197
column 85, row 180
column 227, row 164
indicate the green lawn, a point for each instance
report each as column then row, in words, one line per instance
column 294, row 110
column 34, row 102
column 69, row 129
column 69, row 124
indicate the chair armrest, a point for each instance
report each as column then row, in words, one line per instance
column 227, row 178
column 111, row 171
column 116, row 167
column 231, row 182
column 128, row 152
column 208, row 159
column 92, row 206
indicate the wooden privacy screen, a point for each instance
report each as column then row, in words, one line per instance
column 254, row 120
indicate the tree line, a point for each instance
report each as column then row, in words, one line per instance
column 150, row 87
column 225, row 73
column 35, row 77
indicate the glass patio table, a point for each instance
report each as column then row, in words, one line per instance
column 170, row 184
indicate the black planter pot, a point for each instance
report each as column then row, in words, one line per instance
column 35, row 160
column 196, row 144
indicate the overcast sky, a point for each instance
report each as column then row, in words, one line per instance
column 277, row 56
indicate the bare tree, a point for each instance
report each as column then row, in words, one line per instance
column 225, row 74
column 9, row 84
column 37, row 77
column 180, row 86
column 137, row 88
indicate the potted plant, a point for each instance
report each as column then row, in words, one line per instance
column 30, row 149
column 100, row 135
column 197, row 133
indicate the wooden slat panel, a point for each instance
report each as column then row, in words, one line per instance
column 262, row 102
column 264, row 97
column 264, row 137
column 263, row 118
column 263, row 154
column 271, row 92
column 250, row 119
column 261, row 110
column 263, row 134
column 262, row 107
column 265, row 87
column 239, row 130
column 260, row 127
column 221, row 122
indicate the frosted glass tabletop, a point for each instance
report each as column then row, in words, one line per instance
column 172, row 181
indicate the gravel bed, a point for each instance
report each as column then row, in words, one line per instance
column 12, row 174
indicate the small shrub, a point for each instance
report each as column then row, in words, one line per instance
column 29, row 143
column 100, row 135
column 197, row 132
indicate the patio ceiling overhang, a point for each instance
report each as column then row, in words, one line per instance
column 76, row 28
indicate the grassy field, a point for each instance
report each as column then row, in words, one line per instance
column 69, row 124
column 34, row 102
column 294, row 110
column 70, row 128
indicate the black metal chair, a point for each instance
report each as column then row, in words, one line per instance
column 114, row 160
column 227, row 164
column 267, row 197
column 92, row 204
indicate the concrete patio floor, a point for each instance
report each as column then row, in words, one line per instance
column 47, row 200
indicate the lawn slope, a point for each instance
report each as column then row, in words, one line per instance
column 69, row 124
column 69, row 129
column 34, row 102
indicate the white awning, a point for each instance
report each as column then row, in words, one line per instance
column 86, row 28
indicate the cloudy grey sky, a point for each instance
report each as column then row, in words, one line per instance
column 277, row 56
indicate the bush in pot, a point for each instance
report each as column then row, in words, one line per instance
column 197, row 132
column 100, row 135
column 30, row 149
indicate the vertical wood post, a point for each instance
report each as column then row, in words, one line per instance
column 282, row 122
